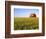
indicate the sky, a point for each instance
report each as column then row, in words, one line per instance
column 20, row 12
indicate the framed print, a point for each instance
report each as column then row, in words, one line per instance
column 24, row 19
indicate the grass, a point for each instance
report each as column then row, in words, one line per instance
column 26, row 23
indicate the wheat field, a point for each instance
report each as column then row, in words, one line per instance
column 26, row 23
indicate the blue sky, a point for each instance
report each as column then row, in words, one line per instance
column 20, row 12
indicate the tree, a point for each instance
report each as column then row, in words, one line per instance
column 33, row 15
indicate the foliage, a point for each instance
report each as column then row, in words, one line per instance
column 26, row 23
